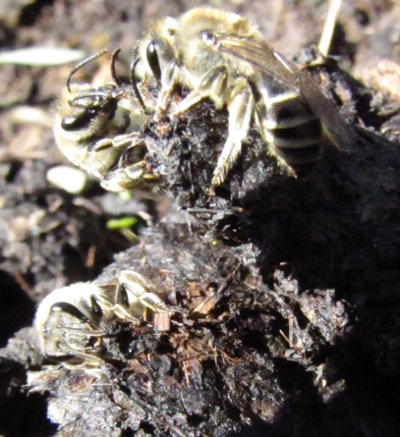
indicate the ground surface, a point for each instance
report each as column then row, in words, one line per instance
column 304, row 339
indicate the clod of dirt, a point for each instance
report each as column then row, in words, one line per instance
column 224, row 365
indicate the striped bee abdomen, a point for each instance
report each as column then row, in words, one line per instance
column 293, row 132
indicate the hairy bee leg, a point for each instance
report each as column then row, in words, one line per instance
column 88, row 360
column 137, row 285
column 123, row 301
column 134, row 281
column 68, row 348
column 101, row 306
column 241, row 107
column 125, row 178
column 152, row 301
column 133, row 288
column 124, row 315
column 131, row 167
column 213, row 85
column 101, row 156
column 135, row 171
column 148, row 301
column 125, row 140
column 169, row 80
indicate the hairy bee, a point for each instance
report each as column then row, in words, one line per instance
column 223, row 57
column 97, row 129
column 71, row 321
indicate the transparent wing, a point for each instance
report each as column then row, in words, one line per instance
column 268, row 61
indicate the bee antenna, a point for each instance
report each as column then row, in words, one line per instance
column 133, row 81
column 114, row 59
column 82, row 64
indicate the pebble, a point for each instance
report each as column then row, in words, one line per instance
column 69, row 179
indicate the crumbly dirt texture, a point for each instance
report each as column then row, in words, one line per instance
column 284, row 292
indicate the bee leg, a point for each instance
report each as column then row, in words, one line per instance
column 118, row 180
column 101, row 307
column 73, row 354
column 169, row 79
column 153, row 302
column 125, row 140
column 102, row 156
column 122, row 179
column 128, row 177
column 137, row 286
column 132, row 289
column 95, row 159
column 131, row 286
column 150, row 302
column 131, row 169
column 134, row 282
column 91, row 363
column 123, row 314
column 121, row 308
column 240, row 106
column 213, row 85
column 101, row 146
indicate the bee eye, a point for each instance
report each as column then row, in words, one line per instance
column 77, row 121
column 152, row 59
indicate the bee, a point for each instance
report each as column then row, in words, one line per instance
column 223, row 56
column 71, row 321
column 97, row 129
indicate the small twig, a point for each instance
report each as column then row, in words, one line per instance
column 329, row 27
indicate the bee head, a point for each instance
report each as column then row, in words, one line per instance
column 89, row 105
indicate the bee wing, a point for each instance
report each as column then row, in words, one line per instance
column 268, row 61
